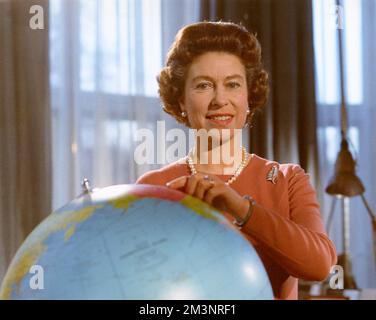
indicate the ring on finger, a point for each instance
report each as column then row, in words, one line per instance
column 211, row 181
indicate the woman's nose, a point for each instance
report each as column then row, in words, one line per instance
column 219, row 97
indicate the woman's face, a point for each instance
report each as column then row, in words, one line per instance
column 215, row 92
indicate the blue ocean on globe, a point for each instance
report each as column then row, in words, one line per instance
column 136, row 242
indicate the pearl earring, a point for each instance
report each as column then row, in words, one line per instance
column 248, row 122
column 249, row 113
column 183, row 114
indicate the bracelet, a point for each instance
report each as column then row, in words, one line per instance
column 252, row 203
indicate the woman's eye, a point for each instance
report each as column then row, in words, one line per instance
column 233, row 84
column 203, row 85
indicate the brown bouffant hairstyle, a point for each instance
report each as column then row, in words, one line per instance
column 199, row 38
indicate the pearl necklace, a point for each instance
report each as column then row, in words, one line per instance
column 238, row 171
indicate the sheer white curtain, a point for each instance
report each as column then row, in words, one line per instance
column 359, row 26
column 104, row 57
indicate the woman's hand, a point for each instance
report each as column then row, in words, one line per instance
column 213, row 191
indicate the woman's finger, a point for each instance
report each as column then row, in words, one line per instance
column 213, row 193
column 178, row 183
column 203, row 186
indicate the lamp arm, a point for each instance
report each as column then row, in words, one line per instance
column 371, row 214
column 373, row 219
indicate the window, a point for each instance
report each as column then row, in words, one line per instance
column 356, row 19
column 115, row 37
column 104, row 59
column 328, row 17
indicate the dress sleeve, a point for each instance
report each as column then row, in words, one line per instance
column 151, row 177
column 144, row 179
column 299, row 243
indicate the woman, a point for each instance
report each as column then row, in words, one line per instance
column 214, row 80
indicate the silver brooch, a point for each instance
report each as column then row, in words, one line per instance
column 272, row 175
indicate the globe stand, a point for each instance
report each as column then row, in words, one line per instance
column 86, row 188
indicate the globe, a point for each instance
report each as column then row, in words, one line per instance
column 136, row 242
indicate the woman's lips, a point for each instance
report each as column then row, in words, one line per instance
column 222, row 123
